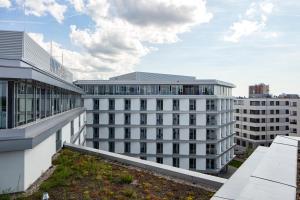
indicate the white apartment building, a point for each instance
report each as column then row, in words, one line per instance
column 175, row 120
column 260, row 120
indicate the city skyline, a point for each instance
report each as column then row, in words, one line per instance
column 240, row 42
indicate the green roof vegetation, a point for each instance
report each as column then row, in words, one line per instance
column 81, row 176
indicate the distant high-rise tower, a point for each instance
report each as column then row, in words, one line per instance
column 260, row 90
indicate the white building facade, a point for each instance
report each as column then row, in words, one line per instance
column 40, row 110
column 260, row 120
column 174, row 120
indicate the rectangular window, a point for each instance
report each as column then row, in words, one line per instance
column 96, row 104
column 127, row 147
column 175, row 133
column 127, row 118
column 159, row 160
column 176, row 119
column 143, row 147
column 143, row 133
column 111, row 118
column 159, row 148
column 159, row 119
column 211, row 134
column 95, row 132
column 211, row 105
column 96, row 145
column 127, row 105
column 175, row 104
column 159, row 133
column 143, row 118
column 143, row 104
column 111, row 104
column 192, row 163
column 127, row 133
column 175, row 162
column 96, row 118
column 192, row 149
column 159, row 104
column 210, row 164
column 192, row 104
column 193, row 119
column 111, row 146
column 192, row 134
column 58, row 140
column 111, row 133
column 175, row 148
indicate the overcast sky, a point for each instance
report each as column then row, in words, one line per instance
column 239, row 41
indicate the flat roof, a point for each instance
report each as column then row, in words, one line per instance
column 269, row 173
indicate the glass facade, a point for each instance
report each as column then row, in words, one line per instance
column 3, row 104
column 35, row 100
column 155, row 89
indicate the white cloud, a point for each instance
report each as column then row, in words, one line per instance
column 5, row 3
column 125, row 30
column 78, row 5
column 253, row 22
column 42, row 7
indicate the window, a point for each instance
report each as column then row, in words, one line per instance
column 277, row 103
column 127, row 147
column 193, row 119
column 192, row 149
column 176, row 119
column 175, row 162
column 111, row 104
column 111, row 118
column 263, row 128
column 96, row 118
column 211, row 105
column 96, row 145
column 211, row 120
column 272, row 112
column 127, row 104
column 277, row 128
column 175, row 148
column 192, row 104
column 159, row 148
column 72, row 128
column 96, row 104
column 58, row 140
column 192, row 163
column 143, row 133
column 159, row 104
column 287, row 103
column 159, row 133
column 175, row 133
column 111, row 146
column 192, row 134
column 210, row 164
column 127, row 118
column 271, row 136
column 176, row 104
column 3, row 104
column 211, row 134
column 277, row 112
column 143, row 104
column 263, row 137
column 159, row 119
column 159, row 160
column 245, row 111
column 143, row 147
column 143, row 157
column 95, row 132
column 143, row 118
column 127, row 133
column 287, row 112
column 111, row 133
column 271, row 103
column 277, row 119
column 210, row 149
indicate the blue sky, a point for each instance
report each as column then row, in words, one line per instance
column 239, row 41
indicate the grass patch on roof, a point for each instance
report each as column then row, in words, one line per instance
column 81, row 176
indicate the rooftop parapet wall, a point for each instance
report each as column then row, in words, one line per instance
column 207, row 181
column 15, row 45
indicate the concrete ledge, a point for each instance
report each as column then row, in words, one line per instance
column 30, row 135
column 194, row 177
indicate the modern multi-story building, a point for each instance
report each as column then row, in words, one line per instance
column 260, row 90
column 40, row 109
column 175, row 120
column 260, row 120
